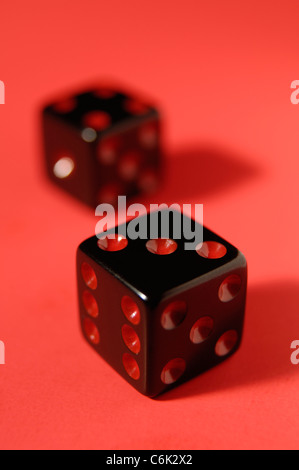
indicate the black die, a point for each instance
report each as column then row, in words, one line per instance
column 160, row 314
column 101, row 144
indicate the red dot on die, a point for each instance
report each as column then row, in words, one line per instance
column 148, row 135
column 91, row 331
column 112, row 242
column 129, row 165
column 109, row 193
column 229, row 288
column 89, row 276
column 104, row 92
column 174, row 314
column 107, row 150
column 161, row 246
column 226, row 343
column 131, row 366
column 131, row 339
column 148, row 181
column 66, row 105
column 173, row 370
column 211, row 250
column 90, row 304
column 130, row 310
column 135, row 107
column 97, row 120
column 201, row 329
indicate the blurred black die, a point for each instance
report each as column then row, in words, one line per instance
column 102, row 143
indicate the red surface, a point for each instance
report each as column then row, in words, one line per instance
column 221, row 71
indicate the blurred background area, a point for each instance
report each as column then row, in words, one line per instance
column 221, row 73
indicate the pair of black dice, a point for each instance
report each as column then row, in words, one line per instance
column 157, row 313
column 102, row 143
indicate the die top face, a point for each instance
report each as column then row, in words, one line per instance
column 153, row 267
column 102, row 110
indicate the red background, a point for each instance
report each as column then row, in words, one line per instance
column 221, row 72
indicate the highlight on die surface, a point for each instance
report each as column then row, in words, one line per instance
column 101, row 143
column 159, row 315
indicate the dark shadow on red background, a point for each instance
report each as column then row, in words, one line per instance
column 197, row 172
column 272, row 323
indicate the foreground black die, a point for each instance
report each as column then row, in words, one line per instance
column 102, row 143
column 160, row 319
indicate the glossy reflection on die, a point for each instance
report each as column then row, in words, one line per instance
column 89, row 276
column 173, row 370
column 174, row 314
column 130, row 310
column 131, row 339
column 201, row 330
column 131, row 366
column 91, row 331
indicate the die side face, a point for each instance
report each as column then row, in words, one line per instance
column 69, row 160
column 101, row 144
column 128, row 162
column 186, row 325
column 114, row 321
column 196, row 328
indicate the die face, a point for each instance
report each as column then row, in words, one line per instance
column 151, row 276
column 128, row 162
column 114, row 321
column 69, row 160
column 104, row 114
column 195, row 329
column 101, row 144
